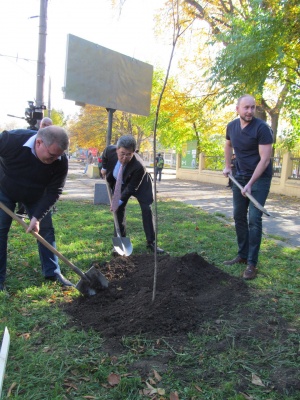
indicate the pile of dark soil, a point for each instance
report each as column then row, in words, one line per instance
column 189, row 292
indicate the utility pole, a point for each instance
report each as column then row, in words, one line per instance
column 41, row 65
column 49, row 98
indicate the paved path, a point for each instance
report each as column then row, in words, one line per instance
column 212, row 198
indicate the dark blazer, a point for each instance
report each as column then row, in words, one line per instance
column 136, row 181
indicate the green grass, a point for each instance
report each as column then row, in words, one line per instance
column 51, row 359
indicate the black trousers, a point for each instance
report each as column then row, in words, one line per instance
column 147, row 218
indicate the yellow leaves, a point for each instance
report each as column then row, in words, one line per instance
column 25, row 336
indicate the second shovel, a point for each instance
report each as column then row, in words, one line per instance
column 122, row 245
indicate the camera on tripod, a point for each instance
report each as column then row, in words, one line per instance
column 33, row 114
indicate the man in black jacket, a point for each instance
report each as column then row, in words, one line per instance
column 135, row 182
column 33, row 170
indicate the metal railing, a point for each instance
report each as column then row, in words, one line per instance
column 216, row 163
column 277, row 166
column 295, row 168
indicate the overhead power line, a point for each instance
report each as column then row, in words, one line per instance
column 17, row 58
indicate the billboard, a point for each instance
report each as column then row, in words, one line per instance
column 103, row 77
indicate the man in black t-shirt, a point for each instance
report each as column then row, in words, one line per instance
column 251, row 139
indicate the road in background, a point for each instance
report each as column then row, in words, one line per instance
column 215, row 199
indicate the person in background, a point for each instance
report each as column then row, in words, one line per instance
column 46, row 121
column 33, row 170
column 135, row 182
column 251, row 139
column 88, row 162
column 99, row 158
column 159, row 164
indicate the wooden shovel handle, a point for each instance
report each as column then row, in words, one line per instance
column 250, row 197
column 43, row 241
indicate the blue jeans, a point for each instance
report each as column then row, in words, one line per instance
column 49, row 261
column 158, row 173
column 248, row 219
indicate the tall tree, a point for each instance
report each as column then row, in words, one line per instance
column 58, row 117
column 260, row 53
column 89, row 127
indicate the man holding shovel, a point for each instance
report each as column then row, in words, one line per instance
column 33, row 170
column 135, row 181
column 251, row 138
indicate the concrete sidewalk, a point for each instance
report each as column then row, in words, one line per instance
column 215, row 199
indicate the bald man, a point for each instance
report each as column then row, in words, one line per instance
column 251, row 139
column 46, row 121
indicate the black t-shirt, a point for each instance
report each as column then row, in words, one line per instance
column 245, row 143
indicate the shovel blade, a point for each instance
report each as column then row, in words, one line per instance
column 122, row 245
column 93, row 282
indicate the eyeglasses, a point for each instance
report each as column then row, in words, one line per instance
column 51, row 155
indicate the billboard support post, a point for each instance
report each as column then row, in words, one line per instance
column 109, row 125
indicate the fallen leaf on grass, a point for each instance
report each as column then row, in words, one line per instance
column 151, row 392
column 152, row 381
column 198, row 388
column 174, row 396
column 25, row 336
column 113, row 379
column 83, row 378
column 70, row 385
column 12, row 386
column 157, row 376
column 256, row 380
column 149, row 386
column 114, row 360
column 75, row 372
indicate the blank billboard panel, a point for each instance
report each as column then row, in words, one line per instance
column 103, row 77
